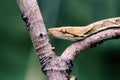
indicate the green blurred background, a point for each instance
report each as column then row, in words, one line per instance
column 18, row 60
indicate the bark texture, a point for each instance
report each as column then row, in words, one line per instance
column 56, row 67
column 53, row 66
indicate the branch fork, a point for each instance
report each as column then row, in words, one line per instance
column 56, row 67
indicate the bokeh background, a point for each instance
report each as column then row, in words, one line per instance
column 18, row 60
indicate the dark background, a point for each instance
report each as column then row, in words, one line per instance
column 18, row 60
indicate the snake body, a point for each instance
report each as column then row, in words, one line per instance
column 78, row 33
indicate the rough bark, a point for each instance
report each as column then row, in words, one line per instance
column 53, row 66
column 56, row 67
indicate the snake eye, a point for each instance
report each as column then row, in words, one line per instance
column 63, row 30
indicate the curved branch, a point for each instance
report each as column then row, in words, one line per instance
column 72, row 51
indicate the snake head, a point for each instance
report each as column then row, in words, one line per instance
column 62, row 33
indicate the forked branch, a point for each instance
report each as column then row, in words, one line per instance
column 53, row 66
column 56, row 67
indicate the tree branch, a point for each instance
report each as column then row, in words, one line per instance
column 55, row 67
column 72, row 51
